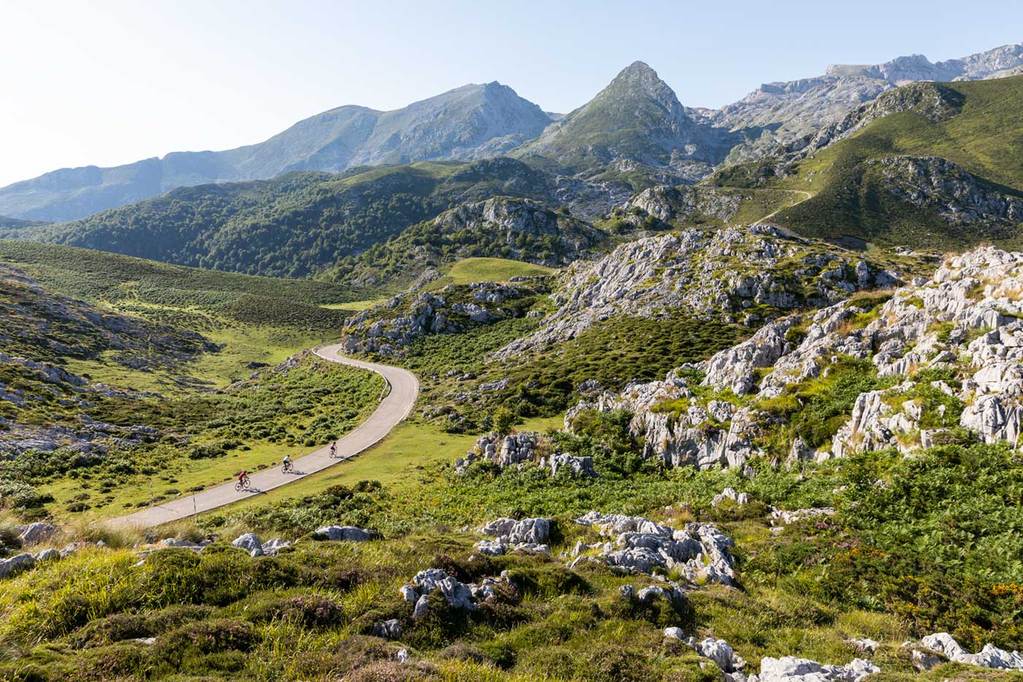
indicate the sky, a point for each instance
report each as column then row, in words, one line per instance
column 107, row 82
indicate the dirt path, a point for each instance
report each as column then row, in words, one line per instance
column 395, row 406
column 806, row 195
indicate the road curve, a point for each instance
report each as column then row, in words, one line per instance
column 403, row 388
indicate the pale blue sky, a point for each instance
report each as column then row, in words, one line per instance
column 113, row 81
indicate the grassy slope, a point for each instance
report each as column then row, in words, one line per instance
column 985, row 138
column 469, row 270
column 294, row 225
column 254, row 320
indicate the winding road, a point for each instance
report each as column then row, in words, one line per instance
column 392, row 410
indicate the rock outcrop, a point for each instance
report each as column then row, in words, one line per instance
column 988, row 657
column 388, row 329
column 792, row 669
column 704, row 274
column 663, row 206
column 457, row 594
column 965, row 322
column 342, row 534
column 700, row 552
column 527, row 535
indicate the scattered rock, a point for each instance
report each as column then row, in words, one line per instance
column 729, row 494
column 792, row 669
column 16, row 564
column 342, row 534
column 36, row 532
column 988, row 657
column 250, row 543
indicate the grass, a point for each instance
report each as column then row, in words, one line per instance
column 356, row 306
column 308, row 613
column 208, row 438
column 398, row 461
column 985, row 138
column 468, row 270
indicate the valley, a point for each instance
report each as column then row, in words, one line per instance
column 639, row 392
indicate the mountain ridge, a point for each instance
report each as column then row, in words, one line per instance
column 480, row 120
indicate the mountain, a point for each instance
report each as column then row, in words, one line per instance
column 467, row 123
column 777, row 114
column 501, row 227
column 296, row 224
column 942, row 169
column 636, row 121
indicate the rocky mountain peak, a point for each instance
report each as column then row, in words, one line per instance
column 639, row 80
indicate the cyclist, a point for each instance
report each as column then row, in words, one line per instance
column 333, row 450
column 243, row 479
column 286, row 464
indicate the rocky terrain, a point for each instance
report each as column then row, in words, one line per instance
column 947, row 190
column 504, row 227
column 391, row 328
column 759, row 428
column 941, row 349
column 735, row 274
column 778, row 114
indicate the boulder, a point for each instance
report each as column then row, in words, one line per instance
column 988, row 657
column 47, row 555
column 272, row 547
column 792, row 669
column 388, row 629
column 342, row 534
column 729, row 494
column 719, row 651
column 576, row 466
column 36, row 532
column 250, row 542
column 16, row 564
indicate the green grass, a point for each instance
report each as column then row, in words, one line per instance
column 357, row 306
column 985, row 138
column 206, row 438
column 307, row 613
column 468, row 270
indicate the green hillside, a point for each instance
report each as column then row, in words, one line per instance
column 294, row 225
column 851, row 181
column 124, row 281
column 499, row 228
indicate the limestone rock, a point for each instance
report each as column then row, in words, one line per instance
column 988, row 657
column 700, row 552
column 729, row 494
column 528, row 535
column 16, row 564
column 792, row 669
column 36, row 532
column 250, row 543
column 342, row 533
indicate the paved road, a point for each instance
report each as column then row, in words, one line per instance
column 396, row 405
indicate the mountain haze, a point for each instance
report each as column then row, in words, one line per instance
column 469, row 122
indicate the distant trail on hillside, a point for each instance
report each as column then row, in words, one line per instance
column 403, row 388
column 806, row 196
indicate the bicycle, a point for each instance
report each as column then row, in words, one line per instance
column 241, row 485
column 287, row 467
